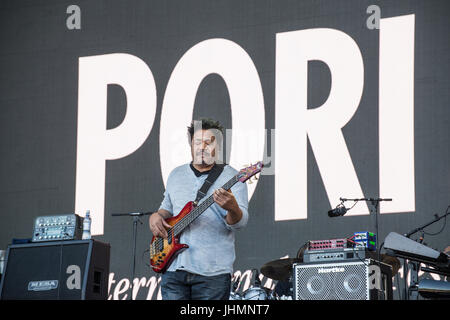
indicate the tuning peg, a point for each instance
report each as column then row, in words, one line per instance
column 256, row 178
column 250, row 181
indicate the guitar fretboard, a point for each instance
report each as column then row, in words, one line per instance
column 197, row 211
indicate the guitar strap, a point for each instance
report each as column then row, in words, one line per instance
column 210, row 179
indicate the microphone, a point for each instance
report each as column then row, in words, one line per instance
column 340, row 210
column 132, row 214
column 140, row 213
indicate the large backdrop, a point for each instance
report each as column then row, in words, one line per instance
column 338, row 98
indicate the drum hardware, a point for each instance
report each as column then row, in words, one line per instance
column 234, row 295
column 280, row 269
column 433, row 289
column 389, row 260
column 284, row 289
column 255, row 292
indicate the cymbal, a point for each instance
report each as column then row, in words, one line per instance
column 393, row 261
column 279, row 269
column 390, row 260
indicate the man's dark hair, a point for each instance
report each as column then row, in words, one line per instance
column 206, row 123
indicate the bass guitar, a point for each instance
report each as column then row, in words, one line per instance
column 163, row 251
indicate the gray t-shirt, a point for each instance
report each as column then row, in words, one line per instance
column 210, row 239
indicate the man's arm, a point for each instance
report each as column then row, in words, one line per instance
column 157, row 223
column 226, row 200
column 164, row 213
column 233, row 216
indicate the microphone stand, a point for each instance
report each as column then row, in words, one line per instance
column 376, row 204
column 436, row 219
column 136, row 219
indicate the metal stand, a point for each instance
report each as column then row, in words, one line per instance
column 410, row 294
column 376, row 204
column 136, row 219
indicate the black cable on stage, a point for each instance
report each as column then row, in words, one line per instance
column 443, row 226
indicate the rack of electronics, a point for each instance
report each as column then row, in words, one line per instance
column 357, row 246
column 342, row 269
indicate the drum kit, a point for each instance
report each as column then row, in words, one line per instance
column 254, row 293
column 396, row 245
column 281, row 271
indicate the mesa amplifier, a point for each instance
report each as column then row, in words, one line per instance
column 56, row 228
column 57, row 270
column 355, row 280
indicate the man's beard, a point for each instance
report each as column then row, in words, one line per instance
column 203, row 158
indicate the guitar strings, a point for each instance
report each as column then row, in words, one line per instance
column 186, row 220
column 180, row 225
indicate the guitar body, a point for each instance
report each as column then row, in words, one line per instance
column 163, row 251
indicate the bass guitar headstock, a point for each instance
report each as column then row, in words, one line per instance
column 248, row 172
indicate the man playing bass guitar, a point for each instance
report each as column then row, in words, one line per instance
column 202, row 271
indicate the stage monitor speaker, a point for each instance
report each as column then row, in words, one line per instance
column 348, row 280
column 60, row 270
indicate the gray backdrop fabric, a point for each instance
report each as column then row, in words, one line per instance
column 38, row 99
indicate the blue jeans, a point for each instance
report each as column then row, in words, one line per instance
column 183, row 285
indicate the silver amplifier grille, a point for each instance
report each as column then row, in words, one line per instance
column 332, row 281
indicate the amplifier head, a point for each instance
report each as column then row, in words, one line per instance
column 56, row 228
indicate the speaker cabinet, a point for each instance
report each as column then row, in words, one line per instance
column 60, row 270
column 349, row 280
